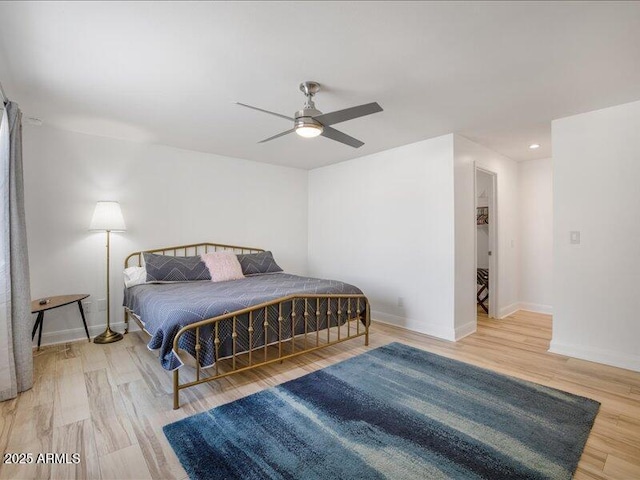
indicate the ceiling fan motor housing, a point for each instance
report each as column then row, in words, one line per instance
column 305, row 118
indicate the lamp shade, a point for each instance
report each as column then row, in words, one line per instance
column 107, row 216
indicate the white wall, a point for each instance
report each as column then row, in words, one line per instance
column 536, row 235
column 384, row 222
column 465, row 234
column 596, row 169
column 168, row 197
column 468, row 154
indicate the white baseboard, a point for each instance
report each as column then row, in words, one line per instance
column 466, row 330
column 529, row 307
column 504, row 312
column 536, row 307
column 77, row 334
column 438, row 331
column 426, row 328
column 592, row 354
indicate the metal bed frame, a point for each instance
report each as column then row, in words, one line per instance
column 243, row 360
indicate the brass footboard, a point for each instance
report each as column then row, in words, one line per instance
column 350, row 315
column 299, row 324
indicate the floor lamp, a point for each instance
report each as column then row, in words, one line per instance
column 107, row 217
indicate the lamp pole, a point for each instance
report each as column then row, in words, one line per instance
column 108, row 336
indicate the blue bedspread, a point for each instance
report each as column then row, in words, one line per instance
column 165, row 308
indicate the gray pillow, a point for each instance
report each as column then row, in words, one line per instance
column 257, row 263
column 165, row 268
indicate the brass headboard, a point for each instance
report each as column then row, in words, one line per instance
column 135, row 259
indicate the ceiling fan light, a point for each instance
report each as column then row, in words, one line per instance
column 309, row 130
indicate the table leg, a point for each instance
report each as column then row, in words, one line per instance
column 41, row 317
column 83, row 319
column 35, row 326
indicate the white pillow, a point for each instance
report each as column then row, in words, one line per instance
column 134, row 276
column 223, row 266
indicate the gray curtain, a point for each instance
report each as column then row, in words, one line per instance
column 16, row 357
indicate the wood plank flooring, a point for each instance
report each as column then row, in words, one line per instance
column 109, row 402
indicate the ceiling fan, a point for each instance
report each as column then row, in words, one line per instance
column 310, row 122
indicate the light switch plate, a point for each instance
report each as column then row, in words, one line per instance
column 574, row 237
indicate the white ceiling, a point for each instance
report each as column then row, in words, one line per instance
column 168, row 73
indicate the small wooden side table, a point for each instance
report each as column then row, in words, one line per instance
column 55, row 302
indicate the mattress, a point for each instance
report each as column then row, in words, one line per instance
column 164, row 309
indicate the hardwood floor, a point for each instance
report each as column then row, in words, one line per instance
column 109, row 402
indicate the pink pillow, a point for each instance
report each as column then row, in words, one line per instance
column 222, row 266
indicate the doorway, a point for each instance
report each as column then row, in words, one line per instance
column 486, row 241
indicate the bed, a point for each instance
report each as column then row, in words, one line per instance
column 223, row 328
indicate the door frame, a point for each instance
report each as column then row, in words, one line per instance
column 493, row 235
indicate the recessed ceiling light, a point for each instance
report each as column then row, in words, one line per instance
column 533, row 146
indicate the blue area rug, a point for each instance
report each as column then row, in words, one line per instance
column 395, row 412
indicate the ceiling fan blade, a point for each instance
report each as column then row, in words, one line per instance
column 276, row 136
column 348, row 114
column 338, row 136
column 265, row 111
